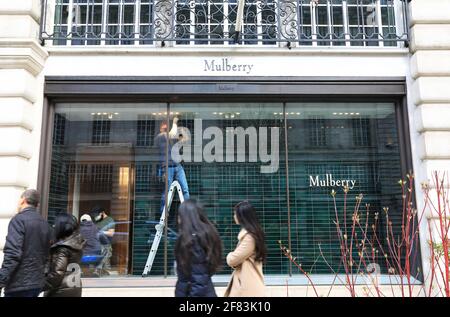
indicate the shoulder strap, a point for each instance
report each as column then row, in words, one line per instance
column 256, row 269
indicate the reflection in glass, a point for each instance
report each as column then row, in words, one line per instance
column 111, row 156
column 338, row 141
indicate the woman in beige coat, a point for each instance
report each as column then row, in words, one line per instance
column 247, row 259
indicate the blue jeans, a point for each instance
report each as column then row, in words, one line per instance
column 26, row 293
column 175, row 173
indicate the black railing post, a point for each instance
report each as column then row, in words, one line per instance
column 406, row 22
column 42, row 22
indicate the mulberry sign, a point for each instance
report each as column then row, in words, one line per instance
column 330, row 181
column 224, row 65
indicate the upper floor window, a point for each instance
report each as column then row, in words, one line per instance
column 214, row 22
column 101, row 127
column 146, row 130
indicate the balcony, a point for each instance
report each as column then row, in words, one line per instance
column 263, row 23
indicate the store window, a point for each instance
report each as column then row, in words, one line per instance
column 354, row 143
column 109, row 156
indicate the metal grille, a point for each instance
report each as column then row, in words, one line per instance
column 101, row 178
column 361, row 132
column 59, row 129
column 58, row 174
column 213, row 22
column 318, row 134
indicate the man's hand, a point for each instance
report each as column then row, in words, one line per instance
column 173, row 131
column 109, row 233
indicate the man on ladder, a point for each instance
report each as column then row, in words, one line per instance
column 175, row 170
column 176, row 178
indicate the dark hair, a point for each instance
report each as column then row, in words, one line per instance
column 96, row 211
column 31, row 197
column 246, row 215
column 65, row 225
column 194, row 224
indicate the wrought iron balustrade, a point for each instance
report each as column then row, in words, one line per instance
column 213, row 22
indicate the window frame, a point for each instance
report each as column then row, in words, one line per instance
column 179, row 89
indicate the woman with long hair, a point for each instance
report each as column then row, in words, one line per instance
column 248, row 257
column 198, row 252
column 64, row 276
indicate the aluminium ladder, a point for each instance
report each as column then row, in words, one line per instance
column 160, row 226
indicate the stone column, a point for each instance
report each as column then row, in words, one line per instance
column 21, row 98
column 429, row 94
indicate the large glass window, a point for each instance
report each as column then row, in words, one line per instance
column 352, row 142
column 110, row 156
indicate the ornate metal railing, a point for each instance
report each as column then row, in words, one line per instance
column 213, row 22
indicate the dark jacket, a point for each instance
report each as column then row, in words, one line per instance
column 199, row 283
column 91, row 234
column 25, row 252
column 64, row 276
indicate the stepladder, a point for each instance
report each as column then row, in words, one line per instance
column 160, row 226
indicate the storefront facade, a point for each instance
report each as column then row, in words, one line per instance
column 314, row 145
column 315, row 116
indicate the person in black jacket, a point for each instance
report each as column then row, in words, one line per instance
column 26, row 249
column 198, row 252
column 64, row 276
